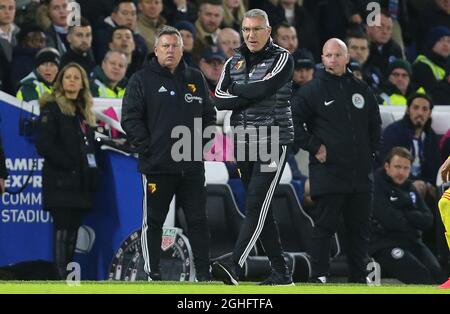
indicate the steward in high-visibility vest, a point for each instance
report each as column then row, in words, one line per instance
column 109, row 81
column 429, row 67
column 40, row 80
column 399, row 86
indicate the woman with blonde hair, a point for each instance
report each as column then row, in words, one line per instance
column 233, row 13
column 66, row 142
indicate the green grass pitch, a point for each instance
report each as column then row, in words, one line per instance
column 107, row 287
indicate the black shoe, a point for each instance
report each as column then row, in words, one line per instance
column 278, row 279
column 225, row 273
column 154, row 277
column 319, row 280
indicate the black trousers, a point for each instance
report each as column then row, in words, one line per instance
column 260, row 184
column 189, row 189
column 356, row 209
column 412, row 264
column 65, row 231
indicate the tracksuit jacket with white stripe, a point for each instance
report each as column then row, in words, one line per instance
column 155, row 102
column 257, row 87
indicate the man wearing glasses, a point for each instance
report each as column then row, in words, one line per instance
column 256, row 85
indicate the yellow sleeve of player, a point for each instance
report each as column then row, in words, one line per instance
column 444, row 208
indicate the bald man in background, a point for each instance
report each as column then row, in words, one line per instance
column 342, row 133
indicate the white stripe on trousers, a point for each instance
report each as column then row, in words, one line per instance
column 264, row 210
column 144, row 245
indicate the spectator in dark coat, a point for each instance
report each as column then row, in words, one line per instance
column 79, row 51
column 31, row 39
column 383, row 49
column 124, row 14
column 441, row 93
column 400, row 215
column 436, row 13
column 414, row 132
column 66, row 142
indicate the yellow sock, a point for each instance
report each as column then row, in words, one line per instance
column 444, row 208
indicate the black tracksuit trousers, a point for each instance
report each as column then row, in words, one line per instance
column 259, row 221
column 189, row 189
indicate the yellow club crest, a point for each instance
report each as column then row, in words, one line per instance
column 152, row 188
column 192, row 87
column 239, row 64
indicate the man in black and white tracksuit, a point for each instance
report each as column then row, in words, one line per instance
column 256, row 85
column 164, row 95
column 337, row 120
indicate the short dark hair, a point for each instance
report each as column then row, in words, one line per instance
column 27, row 29
column 400, row 152
column 281, row 25
column 84, row 22
column 420, row 95
column 117, row 28
column 117, row 4
column 356, row 34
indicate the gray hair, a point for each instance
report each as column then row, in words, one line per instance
column 168, row 30
column 257, row 13
column 110, row 52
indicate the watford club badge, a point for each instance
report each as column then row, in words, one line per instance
column 239, row 64
column 151, row 188
column 192, row 87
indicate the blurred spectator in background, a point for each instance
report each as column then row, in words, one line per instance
column 149, row 20
column 358, row 48
column 233, row 13
column 31, row 39
column 40, row 80
column 435, row 13
column 356, row 69
column 399, row 86
column 285, row 36
column 210, row 17
column 400, row 215
column 8, row 30
column 187, row 31
column 383, row 50
column 414, row 132
column 304, row 68
column 228, row 40
column 52, row 16
column 122, row 39
column 80, row 43
column 211, row 65
column 179, row 10
column 108, row 80
column 96, row 10
column 429, row 67
column 124, row 14
column 441, row 93
column 294, row 14
column 332, row 18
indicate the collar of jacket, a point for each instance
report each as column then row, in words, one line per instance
column 34, row 75
column 156, row 67
column 437, row 59
column 99, row 74
column 382, row 175
column 405, row 120
column 322, row 74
